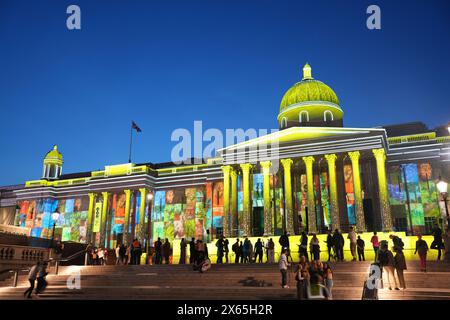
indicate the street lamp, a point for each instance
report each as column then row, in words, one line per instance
column 442, row 187
column 55, row 217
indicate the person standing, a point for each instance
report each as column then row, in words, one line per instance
column 137, row 250
column 330, row 244
column 437, row 243
column 400, row 266
column 422, row 250
column 259, row 251
column 166, row 251
column 284, row 240
column 191, row 251
column 328, row 279
column 158, row 251
column 226, row 250
column 397, row 241
column 101, row 256
column 183, row 246
column 338, row 241
column 117, row 253
column 270, row 251
column 352, row 237
column 303, row 247
column 375, row 244
column 219, row 245
column 246, row 251
column 360, row 244
column 387, row 262
column 122, row 253
column 315, row 248
column 32, row 275
column 128, row 255
column 283, row 266
column 235, row 249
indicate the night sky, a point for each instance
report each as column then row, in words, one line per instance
column 228, row 63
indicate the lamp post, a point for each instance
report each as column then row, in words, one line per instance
column 442, row 187
column 55, row 217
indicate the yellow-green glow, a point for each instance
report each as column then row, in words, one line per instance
column 127, row 214
column 104, row 217
column 265, row 165
column 141, row 231
column 92, row 197
column 287, row 164
column 312, row 225
column 359, row 212
column 380, row 157
column 234, row 208
column 226, row 200
column 246, row 223
column 331, row 160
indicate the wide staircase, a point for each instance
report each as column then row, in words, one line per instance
column 229, row 281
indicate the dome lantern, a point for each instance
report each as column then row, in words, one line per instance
column 53, row 162
column 307, row 72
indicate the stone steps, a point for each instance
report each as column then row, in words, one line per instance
column 223, row 282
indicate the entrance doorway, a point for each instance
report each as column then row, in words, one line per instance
column 258, row 221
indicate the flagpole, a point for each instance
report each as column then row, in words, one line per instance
column 131, row 142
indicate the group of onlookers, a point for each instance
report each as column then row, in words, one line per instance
column 96, row 256
column 129, row 254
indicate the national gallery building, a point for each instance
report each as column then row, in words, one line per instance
column 312, row 175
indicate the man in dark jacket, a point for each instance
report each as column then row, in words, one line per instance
column 192, row 251
column 258, row 251
column 437, row 243
column 236, row 251
column 330, row 245
column 284, row 241
column 158, row 251
column 338, row 241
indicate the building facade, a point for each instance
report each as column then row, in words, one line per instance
column 312, row 175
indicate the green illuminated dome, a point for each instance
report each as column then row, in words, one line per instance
column 310, row 103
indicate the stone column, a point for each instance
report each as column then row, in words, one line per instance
column 90, row 220
column 335, row 220
column 246, row 223
column 312, row 222
column 288, row 211
column 141, row 230
column 226, row 200
column 380, row 157
column 126, row 221
column 268, row 228
column 359, row 211
column 234, row 208
column 104, row 219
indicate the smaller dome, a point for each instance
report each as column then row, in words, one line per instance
column 54, row 156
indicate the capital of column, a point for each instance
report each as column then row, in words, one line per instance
column 246, row 167
column 226, row 170
column 331, row 158
column 308, row 160
column 265, row 165
column 92, row 195
column 286, row 163
column 380, row 154
column 354, row 156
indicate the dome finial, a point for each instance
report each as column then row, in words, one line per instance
column 307, row 72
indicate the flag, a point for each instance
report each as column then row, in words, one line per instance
column 134, row 126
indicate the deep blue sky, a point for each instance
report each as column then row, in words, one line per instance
column 228, row 63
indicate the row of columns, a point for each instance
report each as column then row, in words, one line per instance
column 104, row 196
column 231, row 210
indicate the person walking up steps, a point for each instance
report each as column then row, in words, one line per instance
column 283, row 266
column 400, row 266
column 32, row 275
column 352, row 237
column 422, row 250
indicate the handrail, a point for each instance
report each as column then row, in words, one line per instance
column 73, row 256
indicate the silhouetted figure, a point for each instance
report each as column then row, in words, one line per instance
column 259, row 251
column 158, row 251
column 192, row 251
column 183, row 246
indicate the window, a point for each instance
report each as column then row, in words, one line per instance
column 303, row 116
column 400, row 224
column 429, row 224
column 328, row 116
